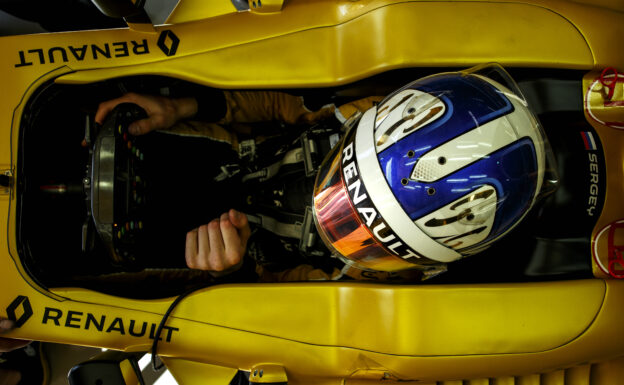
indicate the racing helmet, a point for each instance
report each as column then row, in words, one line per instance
column 437, row 171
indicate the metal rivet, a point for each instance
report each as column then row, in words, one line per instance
column 431, row 191
column 411, row 153
column 404, row 181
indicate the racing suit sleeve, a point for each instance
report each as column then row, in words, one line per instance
column 265, row 106
column 216, row 110
column 228, row 107
column 239, row 107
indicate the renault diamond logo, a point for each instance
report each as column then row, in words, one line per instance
column 19, row 311
column 168, row 42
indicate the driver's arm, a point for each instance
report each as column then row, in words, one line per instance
column 223, row 107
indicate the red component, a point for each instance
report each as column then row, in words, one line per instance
column 609, row 83
column 616, row 253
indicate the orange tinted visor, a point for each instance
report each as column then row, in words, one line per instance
column 340, row 225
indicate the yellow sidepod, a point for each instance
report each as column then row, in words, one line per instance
column 247, row 50
column 412, row 332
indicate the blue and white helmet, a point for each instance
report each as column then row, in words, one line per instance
column 438, row 170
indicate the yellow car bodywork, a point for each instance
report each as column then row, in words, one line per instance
column 336, row 333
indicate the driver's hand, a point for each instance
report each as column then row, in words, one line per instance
column 162, row 112
column 8, row 344
column 220, row 245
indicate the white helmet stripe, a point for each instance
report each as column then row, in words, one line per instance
column 384, row 200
